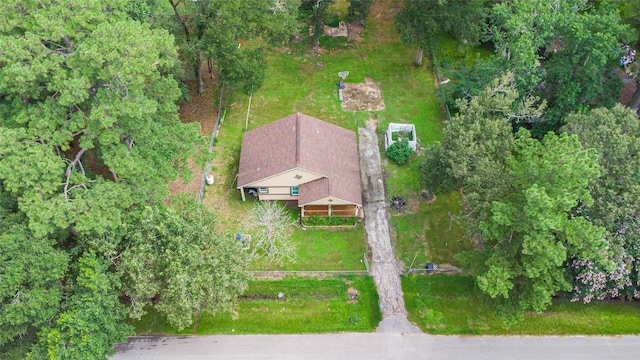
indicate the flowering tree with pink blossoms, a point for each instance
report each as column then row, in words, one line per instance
column 615, row 135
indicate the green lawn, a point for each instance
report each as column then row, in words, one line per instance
column 308, row 306
column 300, row 79
column 424, row 231
column 322, row 249
column 443, row 304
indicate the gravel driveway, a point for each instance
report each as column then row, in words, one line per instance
column 376, row 221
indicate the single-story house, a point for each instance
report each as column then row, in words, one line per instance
column 303, row 159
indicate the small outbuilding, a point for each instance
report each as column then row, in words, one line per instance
column 303, row 159
column 400, row 132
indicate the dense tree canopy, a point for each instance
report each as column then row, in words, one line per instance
column 476, row 143
column 421, row 22
column 177, row 260
column 615, row 135
column 220, row 31
column 92, row 319
column 532, row 230
column 89, row 138
column 565, row 53
column 89, row 124
column 31, row 273
column 550, row 216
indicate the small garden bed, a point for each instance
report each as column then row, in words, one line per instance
column 330, row 221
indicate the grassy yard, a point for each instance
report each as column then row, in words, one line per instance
column 443, row 304
column 300, row 79
column 424, row 232
column 321, row 249
column 308, row 306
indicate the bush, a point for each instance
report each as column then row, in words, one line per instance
column 332, row 20
column 333, row 43
column 316, row 220
column 399, row 151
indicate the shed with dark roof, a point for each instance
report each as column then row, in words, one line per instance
column 303, row 159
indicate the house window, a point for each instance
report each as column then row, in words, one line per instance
column 294, row 191
column 263, row 190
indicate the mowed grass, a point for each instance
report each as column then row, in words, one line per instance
column 300, row 79
column 308, row 306
column 452, row 305
column 322, row 249
column 424, row 232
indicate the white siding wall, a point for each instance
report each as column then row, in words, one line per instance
column 286, row 179
column 277, row 197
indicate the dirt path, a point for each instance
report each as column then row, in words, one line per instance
column 384, row 269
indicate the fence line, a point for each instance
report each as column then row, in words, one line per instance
column 246, row 122
column 432, row 272
column 302, row 273
column 214, row 133
column 366, row 264
column 439, row 78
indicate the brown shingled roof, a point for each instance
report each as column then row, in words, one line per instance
column 303, row 141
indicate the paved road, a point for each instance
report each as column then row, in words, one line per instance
column 378, row 346
column 376, row 222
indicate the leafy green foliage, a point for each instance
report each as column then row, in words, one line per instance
column 581, row 75
column 532, row 230
column 213, row 30
column 575, row 44
column 360, row 9
column 317, row 9
column 30, row 290
column 316, row 220
column 89, row 126
column 475, row 145
column 309, row 306
column 89, row 137
column 420, row 22
column 615, row 135
column 92, row 319
column 177, row 261
column 400, row 152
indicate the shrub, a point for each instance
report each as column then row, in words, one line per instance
column 333, row 43
column 332, row 20
column 399, row 151
column 316, row 220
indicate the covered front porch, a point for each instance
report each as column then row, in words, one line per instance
column 330, row 210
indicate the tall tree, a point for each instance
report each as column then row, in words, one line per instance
column 178, row 261
column 30, row 287
column 520, row 28
column 92, row 319
column 360, row 8
column 214, row 30
column 534, row 230
column 615, row 134
column 89, row 134
column 580, row 75
column 563, row 51
column 272, row 226
column 89, row 124
column 317, row 9
column 421, row 22
column 475, row 145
